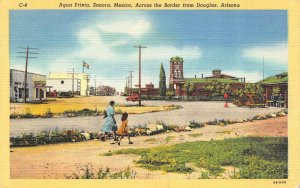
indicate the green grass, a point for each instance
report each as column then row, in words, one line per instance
column 224, row 132
column 255, row 157
column 150, row 140
column 274, row 79
column 195, row 135
column 169, row 138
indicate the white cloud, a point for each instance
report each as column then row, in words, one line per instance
column 251, row 76
column 277, row 53
column 164, row 53
column 134, row 26
column 93, row 46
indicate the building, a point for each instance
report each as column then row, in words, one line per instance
column 149, row 90
column 177, row 81
column 218, row 75
column 105, row 90
column 65, row 82
column 35, row 90
column 275, row 86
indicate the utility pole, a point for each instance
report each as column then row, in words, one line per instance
column 130, row 81
column 126, row 85
column 26, row 66
column 140, row 59
column 263, row 69
column 95, row 85
column 73, row 82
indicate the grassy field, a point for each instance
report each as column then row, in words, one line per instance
column 97, row 103
column 253, row 157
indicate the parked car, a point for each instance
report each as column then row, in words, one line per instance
column 133, row 98
column 64, row 95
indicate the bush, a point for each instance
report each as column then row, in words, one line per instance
column 87, row 172
column 47, row 137
column 195, row 124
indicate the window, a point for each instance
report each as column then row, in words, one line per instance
column 175, row 73
column 36, row 92
column 21, row 93
column 62, row 82
column 179, row 74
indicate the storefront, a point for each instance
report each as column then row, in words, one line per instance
column 35, row 87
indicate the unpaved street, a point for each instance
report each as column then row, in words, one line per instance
column 196, row 110
column 59, row 160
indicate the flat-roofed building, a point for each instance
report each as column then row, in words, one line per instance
column 35, row 90
column 65, row 82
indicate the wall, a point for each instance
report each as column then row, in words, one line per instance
column 67, row 86
column 17, row 76
column 83, row 77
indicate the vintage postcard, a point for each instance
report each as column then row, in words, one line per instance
column 155, row 94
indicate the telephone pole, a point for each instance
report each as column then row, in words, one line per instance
column 140, row 59
column 130, row 81
column 73, row 82
column 27, row 52
column 263, row 69
column 95, row 86
column 126, row 86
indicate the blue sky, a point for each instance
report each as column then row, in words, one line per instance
column 234, row 41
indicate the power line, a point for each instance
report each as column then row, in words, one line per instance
column 140, row 59
column 27, row 52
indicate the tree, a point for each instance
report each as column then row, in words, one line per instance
column 191, row 88
column 162, row 81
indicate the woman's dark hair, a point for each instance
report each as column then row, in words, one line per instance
column 124, row 116
column 111, row 103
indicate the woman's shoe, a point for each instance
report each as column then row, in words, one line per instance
column 119, row 143
column 130, row 142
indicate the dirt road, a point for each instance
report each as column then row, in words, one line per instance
column 57, row 161
column 196, row 110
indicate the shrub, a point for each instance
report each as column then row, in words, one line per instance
column 195, row 124
column 87, row 172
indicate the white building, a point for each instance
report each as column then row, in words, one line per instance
column 64, row 85
column 65, row 82
column 35, row 90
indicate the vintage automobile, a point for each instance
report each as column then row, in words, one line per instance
column 65, row 95
column 133, row 97
column 250, row 100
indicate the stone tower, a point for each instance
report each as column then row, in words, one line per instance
column 176, row 80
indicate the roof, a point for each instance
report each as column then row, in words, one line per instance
column 176, row 58
column 204, row 80
column 220, row 75
column 27, row 72
column 274, row 79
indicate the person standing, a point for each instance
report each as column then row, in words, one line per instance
column 110, row 121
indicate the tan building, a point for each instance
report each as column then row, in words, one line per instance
column 62, row 82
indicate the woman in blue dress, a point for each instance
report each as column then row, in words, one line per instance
column 110, row 121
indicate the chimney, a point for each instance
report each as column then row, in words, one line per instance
column 202, row 75
column 216, row 72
